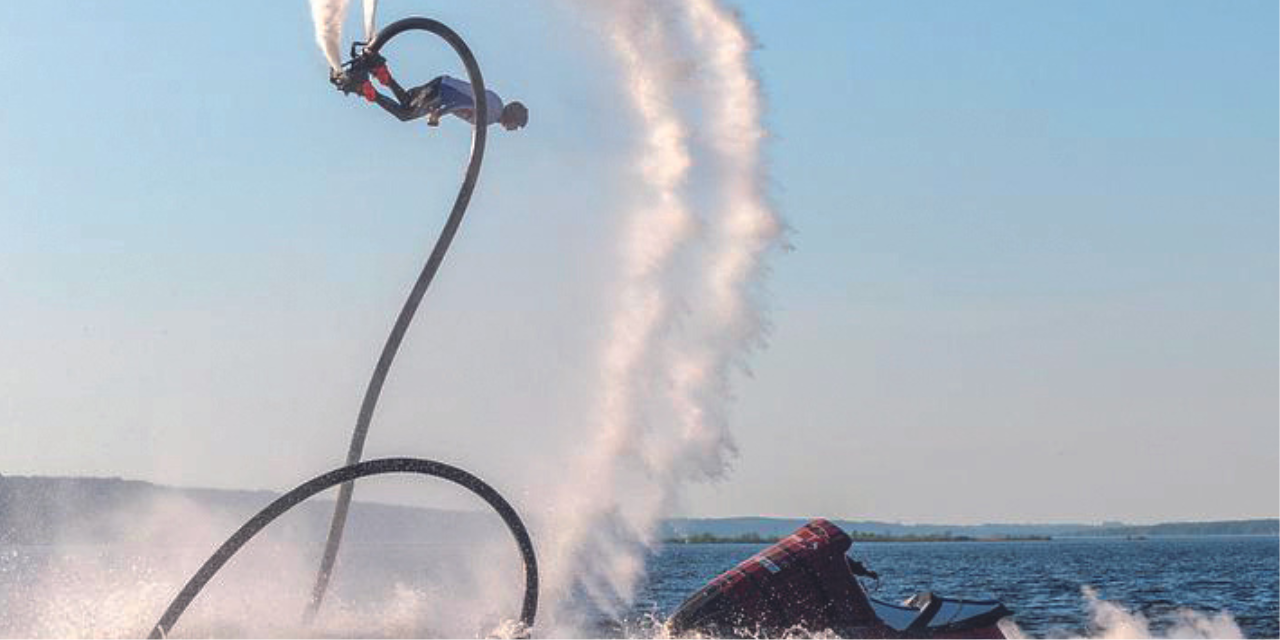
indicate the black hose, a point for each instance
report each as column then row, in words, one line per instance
column 339, row 521
column 348, row 474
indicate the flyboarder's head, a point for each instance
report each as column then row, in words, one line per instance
column 514, row 116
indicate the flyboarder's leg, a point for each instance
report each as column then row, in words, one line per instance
column 400, row 111
column 383, row 75
column 427, row 99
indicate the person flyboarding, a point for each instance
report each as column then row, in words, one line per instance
column 444, row 95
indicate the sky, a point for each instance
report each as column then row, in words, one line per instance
column 1033, row 274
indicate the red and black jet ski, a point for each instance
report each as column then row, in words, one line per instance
column 806, row 583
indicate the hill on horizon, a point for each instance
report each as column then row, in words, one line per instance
column 44, row 510
column 775, row 527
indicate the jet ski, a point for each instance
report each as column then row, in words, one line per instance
column 806, row 584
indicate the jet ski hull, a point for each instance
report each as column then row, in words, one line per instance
column 806, row 583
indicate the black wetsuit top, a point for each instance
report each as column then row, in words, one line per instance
column 441, row 96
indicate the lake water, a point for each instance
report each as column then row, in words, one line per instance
column 119, row 591
column 1041, row 580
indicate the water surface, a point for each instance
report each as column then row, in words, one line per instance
column 428, row 590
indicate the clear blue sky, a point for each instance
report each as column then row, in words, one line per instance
column 1034, row 277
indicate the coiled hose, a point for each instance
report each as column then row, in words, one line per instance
column 350, row 473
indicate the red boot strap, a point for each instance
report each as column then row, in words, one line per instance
column 383, row 75
column 368, row 91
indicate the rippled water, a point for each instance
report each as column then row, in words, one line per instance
column 380, row 591
column 1041, row 581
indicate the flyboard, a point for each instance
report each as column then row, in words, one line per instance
column 354, row 469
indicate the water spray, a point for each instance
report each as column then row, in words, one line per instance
column 347, row 475
column 677, row 335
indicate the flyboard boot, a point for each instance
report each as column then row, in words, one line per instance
column 354, row 75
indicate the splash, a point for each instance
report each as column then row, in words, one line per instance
column 1110, row 620
column 116, row 586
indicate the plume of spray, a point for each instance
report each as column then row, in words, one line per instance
column 328, row 16
column 370, row 18
column 1110, row 620
column 666, row 384
column 596, row 545
column 742, row 229
column 110, row 574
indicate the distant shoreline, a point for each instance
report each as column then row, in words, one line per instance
column 741, row 529
column 755, row 538
column 705, row 538
column 39, row 509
